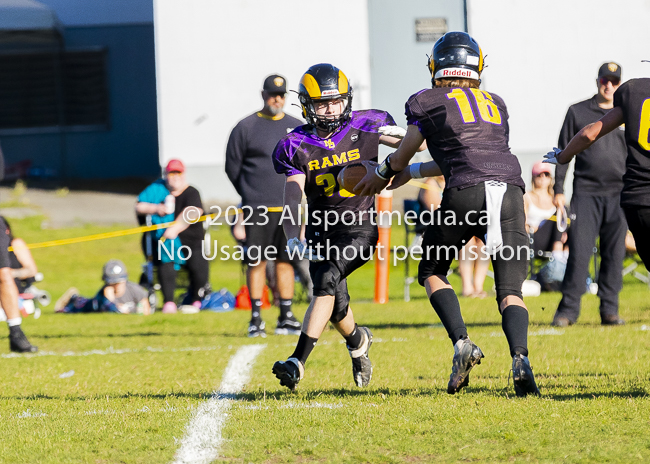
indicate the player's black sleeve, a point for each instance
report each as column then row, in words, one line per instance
column 566, row 134
column 235, row 151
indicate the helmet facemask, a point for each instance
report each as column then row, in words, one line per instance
column 326, row 123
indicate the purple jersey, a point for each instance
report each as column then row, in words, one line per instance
column 321, row 160
column 467, row 135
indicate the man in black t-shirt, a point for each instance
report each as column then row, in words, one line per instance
column 250, row 169
column 595, row 209
column 632, row 108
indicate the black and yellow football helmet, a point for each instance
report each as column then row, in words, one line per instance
column 324, row 82
column 456, row 55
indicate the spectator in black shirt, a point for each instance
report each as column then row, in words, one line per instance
column 187, row 198
column 250, row 169
column 632, row 108
column 595, row 209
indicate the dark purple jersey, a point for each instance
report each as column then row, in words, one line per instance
column 467, row 135
column 634, row 98
column 321, row 160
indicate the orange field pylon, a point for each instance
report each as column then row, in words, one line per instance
column 384, row 203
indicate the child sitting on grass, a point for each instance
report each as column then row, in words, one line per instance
column 118, row 295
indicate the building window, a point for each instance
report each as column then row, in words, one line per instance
column 51, row 91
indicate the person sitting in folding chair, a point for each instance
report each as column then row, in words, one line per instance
column 546, row 230
column 169, row 241
column 541, row 222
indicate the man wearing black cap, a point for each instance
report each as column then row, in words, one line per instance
column 250, row 169
column 595, row 209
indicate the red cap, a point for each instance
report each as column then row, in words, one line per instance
column 541, row 167
column 175, row 165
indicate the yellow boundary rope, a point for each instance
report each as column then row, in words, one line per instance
column 142, row 229
column 122, row 233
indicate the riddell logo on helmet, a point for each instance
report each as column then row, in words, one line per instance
column 456, row 73
column 327, row 93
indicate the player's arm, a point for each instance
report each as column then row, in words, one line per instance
column 293, row 191
column 567, row 132
column 588, row 135
column 375, row 182
column 395, row 142
column 409, row 146
column 415, row 171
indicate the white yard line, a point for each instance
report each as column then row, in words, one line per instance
column 113, row 351
column 110, row 350
column 202, row 439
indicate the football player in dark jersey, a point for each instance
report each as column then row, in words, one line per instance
column 466, row 130
column 341, row 232
column 632, row 108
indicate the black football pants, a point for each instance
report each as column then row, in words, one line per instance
column 593, row 216
column 448, row 233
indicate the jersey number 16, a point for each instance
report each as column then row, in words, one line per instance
column 486, row 107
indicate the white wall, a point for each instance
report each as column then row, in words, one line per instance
column 212, row 57
column 398, row 61
column 543, row 56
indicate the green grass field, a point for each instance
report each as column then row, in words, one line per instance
column 138, row 380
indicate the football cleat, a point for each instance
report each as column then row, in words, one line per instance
column 18, row 341
column 361, row 365
column 256, row 328
column 523, row 378
column 466, row 356
column 288, row 325
column 289, row 372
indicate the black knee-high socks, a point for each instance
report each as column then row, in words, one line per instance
column 304, row 348
column 446, row 305
column 515, row 326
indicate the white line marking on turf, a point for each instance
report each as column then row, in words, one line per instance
column 537, row 333
column 292, row 405
column 202, row 439
column 149, row 349
column 29, row 413
column 111, row 350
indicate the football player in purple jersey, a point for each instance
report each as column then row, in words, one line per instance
column 466, row 130
column 632, row 108
column 341, row 231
